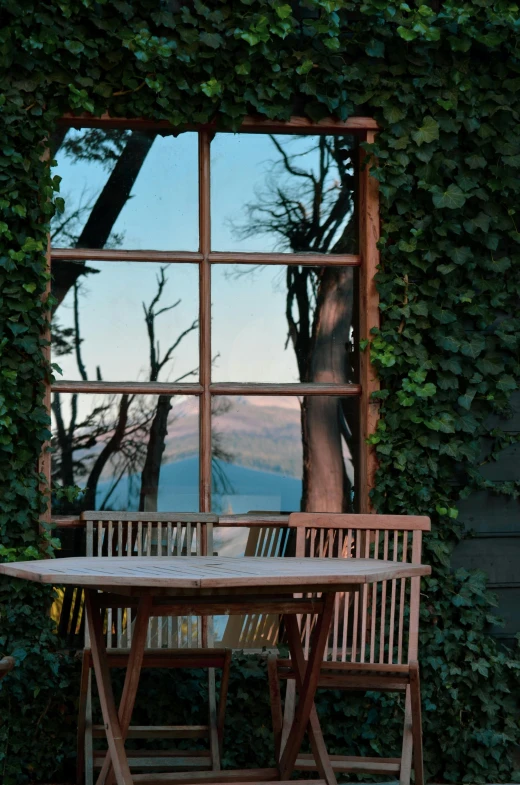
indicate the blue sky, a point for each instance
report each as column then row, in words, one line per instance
column 249, row 325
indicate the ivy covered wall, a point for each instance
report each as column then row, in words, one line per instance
column 443, row 81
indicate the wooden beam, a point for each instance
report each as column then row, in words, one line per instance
column 300, row 125
column 369, row 317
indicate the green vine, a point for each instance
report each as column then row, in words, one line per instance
column 443, row 81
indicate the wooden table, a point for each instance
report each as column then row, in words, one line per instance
column 208, row 585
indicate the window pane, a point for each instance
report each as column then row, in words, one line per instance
column 283, row 193
column 284, row 324
column 111, row 448
column 260, row 454
column 111, row 314
column 127, row 189
column 261, row 464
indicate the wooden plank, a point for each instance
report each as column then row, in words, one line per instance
column 162, row 517
column 302, row 125
column 207, row 777
column 205, row 467
column 354, row 667
column 336, row 520
column 120, row 255
column 255, row 519
column 369, row 318
column 350, row 764
column 276, row 703
column 171, row 658
column 249, row 573
column 224, row 686
column 159, row 760
column 300, row 259
column 145, row 388
column 44, row 459
column 159, row 732
column 415, row 701
column 261, row 388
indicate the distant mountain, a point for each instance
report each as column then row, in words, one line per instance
column 248, row 489
column 258, row 432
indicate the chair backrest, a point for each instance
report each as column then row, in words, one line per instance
column 380, row 623
column 129, row 534
column 255, row 630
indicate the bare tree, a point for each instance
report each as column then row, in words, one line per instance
column 310, row 210
column 159, row 427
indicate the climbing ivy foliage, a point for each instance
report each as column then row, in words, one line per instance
column 443, row 81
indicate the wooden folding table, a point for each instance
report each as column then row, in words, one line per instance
column 209, row 585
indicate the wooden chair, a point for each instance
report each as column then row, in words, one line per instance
column 253, row 631
column 6, row 665
column 373, row 637
column 172, row 642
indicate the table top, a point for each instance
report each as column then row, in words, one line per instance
column 207, row 572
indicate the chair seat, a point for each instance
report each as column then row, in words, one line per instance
column 355, row 676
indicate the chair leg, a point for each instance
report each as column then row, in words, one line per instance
column 288, row 712
column 415, row 697
column 222, row 699
column 276, row 703
column 82, row 718
column 89, row 739
column 406, row 753
column 213, row 728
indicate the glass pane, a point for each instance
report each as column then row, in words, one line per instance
column 125, row 321
column 265, row 464
column 124, row 452
column 259, row 454
column 127, row 189
column 283, row 193
column 284, row 324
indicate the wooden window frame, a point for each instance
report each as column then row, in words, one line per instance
column 367, row 260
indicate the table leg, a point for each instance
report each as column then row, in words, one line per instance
column 114, row 735
column 309, row 684
column 317, row 741
column 133, row 672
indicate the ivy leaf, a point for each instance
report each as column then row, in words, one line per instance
column 443, row 315
column 443, row 422
column 212, row 40
column 406, row 33
column 283, row 11
column 474, row 346
column 428, row 131
column 74, row 47
column 507, row 383
column 375, row 48
column 452, row 197
column 466, row 400
column 476, row 161
column 211, row 88
column 305, row 67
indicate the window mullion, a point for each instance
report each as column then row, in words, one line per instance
column 205, row 322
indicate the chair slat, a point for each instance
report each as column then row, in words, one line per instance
column 401, row 604
column 370, row 625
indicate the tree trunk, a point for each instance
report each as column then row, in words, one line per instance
column 325, row 484
column 106, row 210
column 154, row 452
column 111, row 447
